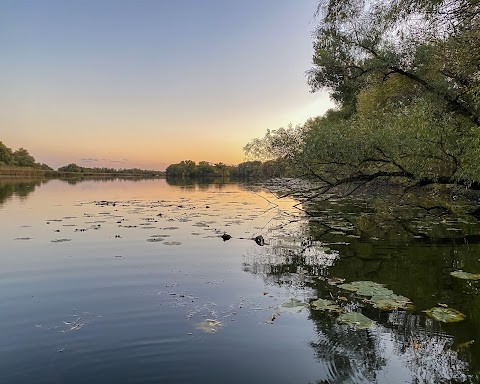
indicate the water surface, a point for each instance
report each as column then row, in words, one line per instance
column 130, row 281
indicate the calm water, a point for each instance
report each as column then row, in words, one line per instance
column 130, row 281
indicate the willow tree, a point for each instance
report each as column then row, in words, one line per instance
column 434, row 43
column 405, row 75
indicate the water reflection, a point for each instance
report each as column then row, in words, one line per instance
column 149, row 253
column 197, row 183
column 19, row 187
column 352, row 243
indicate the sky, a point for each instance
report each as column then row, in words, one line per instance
column 147, row 83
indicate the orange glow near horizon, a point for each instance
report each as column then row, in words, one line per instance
column 165, row 90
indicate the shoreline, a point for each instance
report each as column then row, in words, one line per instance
column 46, row 173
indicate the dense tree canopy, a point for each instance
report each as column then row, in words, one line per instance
column 405, row 75
column 434, row 44
column 18, row 158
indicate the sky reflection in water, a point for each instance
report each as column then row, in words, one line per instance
column 129, row 281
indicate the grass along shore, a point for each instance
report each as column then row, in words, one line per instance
column 35, row 172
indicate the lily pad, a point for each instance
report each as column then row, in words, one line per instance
column 465, row 275
column 445, row 315
column 209, row 326
column 355, row 286
column 335, row 280
column 381, row 297
column 294, row 305
column 356, row 319
column 325, row 305
column 155, row 239
column 391, row 302
column 349, row 287
column 374, row 291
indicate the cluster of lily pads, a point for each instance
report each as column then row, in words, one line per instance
column 380, row 297
column 356, row 319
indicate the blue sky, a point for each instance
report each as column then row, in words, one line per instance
column 147, row 83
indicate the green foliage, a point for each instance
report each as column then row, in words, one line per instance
column 405, row 76
column 6, row 155
column 21, row 158
column 18, row 158
column 434, row 44
column 188, row 169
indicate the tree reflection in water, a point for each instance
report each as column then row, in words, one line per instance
column 403, row 346
column 20, row 187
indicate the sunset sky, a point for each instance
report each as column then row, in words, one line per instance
column 147, row 83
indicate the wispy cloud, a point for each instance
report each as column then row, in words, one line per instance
column 89, row 159
column 116, row 161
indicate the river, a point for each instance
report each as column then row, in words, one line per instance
column 130, row 281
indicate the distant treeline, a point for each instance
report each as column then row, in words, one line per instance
column 18, row 158
column 21, row 163
column 188, row 169
column 102, row 170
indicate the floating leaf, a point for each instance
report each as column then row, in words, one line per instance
column 465, row 275
column 209, row 326
column 465, row 345
column 445, row 315
column 355, row 286
column 294, row 305
column 348, row 287
column 386, row 304
column 381, row 297
column 356, row 319
column 374, row 291
column 155, row 240
column 391, row 302
column 325, row 305
column 335, row 280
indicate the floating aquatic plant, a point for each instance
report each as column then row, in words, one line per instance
column 293, row 305
column 445, row 315
column 325, row 305
column 155, row 240
column 209, row 326
column 356, row 319
column 381, row 297
column 465, row 275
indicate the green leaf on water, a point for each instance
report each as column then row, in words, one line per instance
column 325, row 305
column 294, row 305
column 348, row 287
column 355, row 286
column 465, row 275
column 356, row 319
column 445, row 315
column 381, row 297
column 391, row 302
column 373, row 291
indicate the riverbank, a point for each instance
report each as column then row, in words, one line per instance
column 35, row 172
